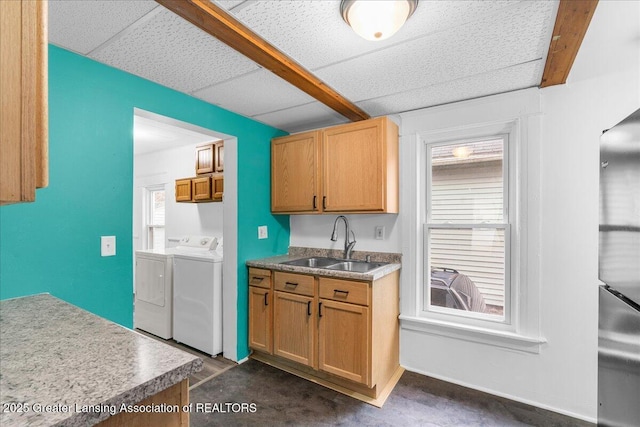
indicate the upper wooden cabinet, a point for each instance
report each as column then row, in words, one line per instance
column 210, row 158
column 208, row 188
column 183, row 190
column 360, row 167
column 295, row 183
column 218, row 156
column 23, row 91
column 350, row 168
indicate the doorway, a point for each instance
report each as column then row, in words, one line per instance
column 164, row 151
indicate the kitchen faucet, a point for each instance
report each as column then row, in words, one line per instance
column 348, row 246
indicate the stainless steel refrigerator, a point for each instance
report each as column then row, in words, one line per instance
column 619, row 270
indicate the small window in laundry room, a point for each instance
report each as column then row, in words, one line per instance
column 155, row 217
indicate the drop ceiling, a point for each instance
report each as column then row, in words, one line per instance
column 448, row 51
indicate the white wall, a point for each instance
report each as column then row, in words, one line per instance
column 314, row 231
column 182, row 219
column 602, row 89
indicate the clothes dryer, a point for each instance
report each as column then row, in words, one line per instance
column 197, row 299
column 153, row 307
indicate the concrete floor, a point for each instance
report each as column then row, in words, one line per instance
column 255, row 394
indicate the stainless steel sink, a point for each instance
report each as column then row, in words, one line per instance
column 315, row 262
column 335, row 264
column 356, row 266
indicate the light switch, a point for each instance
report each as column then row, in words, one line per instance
column 262, row 232
column 107, row 245
column 380, row 232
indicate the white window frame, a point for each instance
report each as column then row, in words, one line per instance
column 461, row 316
column 147, row 212
column 518, row 115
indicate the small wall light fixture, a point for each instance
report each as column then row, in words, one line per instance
column 377, row 19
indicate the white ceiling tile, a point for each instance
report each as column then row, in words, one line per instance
column 254, row 93
column 228, row 4
column 509, row 37
column 314, row 33
column 493, row 82
column 449, row 50
column 171, row 51
column 303, row 117
column 82, row 26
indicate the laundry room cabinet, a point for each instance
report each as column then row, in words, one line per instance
column 208, row 185
column 210, row 158
column 209, row 188
column 351, row 168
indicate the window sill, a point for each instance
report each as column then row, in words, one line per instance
column 486, row 336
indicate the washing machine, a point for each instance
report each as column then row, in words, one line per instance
column 153, row 309
column 197, row 297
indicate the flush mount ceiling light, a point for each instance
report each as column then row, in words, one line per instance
column 377, row 19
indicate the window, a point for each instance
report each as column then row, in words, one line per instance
column 467, row 229
column 155, row 217
column 471, row 203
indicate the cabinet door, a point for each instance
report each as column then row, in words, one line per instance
column 217, row 188
column 204, row 159
column 295, row 185
column 201, row 188
column 183, row 190
column 23, row 88
column 294, row 328
column 218, row 156
column 260, row 319
column 344, row 340
column 354, row 169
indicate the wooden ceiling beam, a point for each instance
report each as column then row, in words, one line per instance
column 223, row 26
column 571, row 25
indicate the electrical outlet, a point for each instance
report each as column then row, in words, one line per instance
column 380, row 232
column 263, row 232
column 107, row 245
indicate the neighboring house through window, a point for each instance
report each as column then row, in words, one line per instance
column 467, row 230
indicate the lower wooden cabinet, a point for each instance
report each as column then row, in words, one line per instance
column 344, row 340
column 294, row 328
column 260, row 310
column 341, row 331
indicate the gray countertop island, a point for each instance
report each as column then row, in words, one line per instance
column 61, row 365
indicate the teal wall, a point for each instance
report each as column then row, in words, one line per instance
column 53, row 245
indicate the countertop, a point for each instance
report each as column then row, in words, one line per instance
column 83, row 366
column 274, row 263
